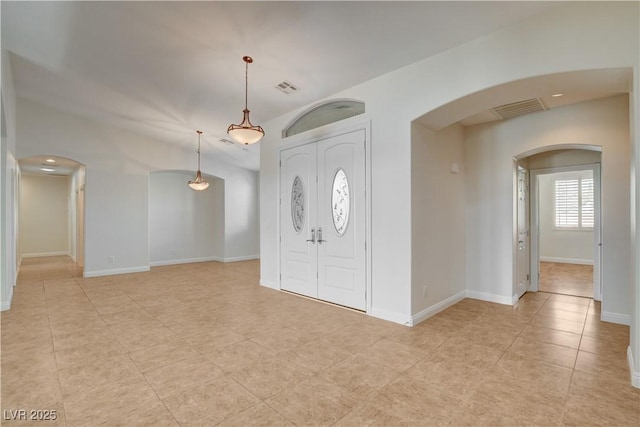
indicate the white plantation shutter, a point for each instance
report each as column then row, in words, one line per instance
column 567, row 203
column 574, row 203
column 586, row 206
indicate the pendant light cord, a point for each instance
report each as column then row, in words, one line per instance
column 199, row 133
column 246, row 84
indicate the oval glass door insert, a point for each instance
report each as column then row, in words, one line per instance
column 297, row 205
column 340, row 202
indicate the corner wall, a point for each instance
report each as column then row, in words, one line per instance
column 437, row 220
column 185, row 225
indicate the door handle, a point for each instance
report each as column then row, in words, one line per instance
column 320, row 236
column 313, row 236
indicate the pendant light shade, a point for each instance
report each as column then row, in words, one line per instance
column 199, row 184
column 245, row 132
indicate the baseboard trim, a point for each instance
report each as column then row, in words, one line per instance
column 621, row 319
column 485, row 296
column 242, row 258
column 635, row 375
column 6, row 305
column 269, row 284
column 437, row 308
column 45, row 254
column 391, row 316
column 115, row 271
column 567, row 260
column 185, row 261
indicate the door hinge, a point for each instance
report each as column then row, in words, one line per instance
column 280, row 163
column 527, row 277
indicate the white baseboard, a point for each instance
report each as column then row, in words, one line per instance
column 566, row 260
column 269, row 284
column 390, row 316
column 45, row 254
column 635, row 375
column 621, row 319
column 6, row 305
column 485, row 296
column 185, row 261
column 437, row 308
column 203, row 259
column 113, row 272
column 241, row 258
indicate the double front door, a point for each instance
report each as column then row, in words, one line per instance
column 322, row 220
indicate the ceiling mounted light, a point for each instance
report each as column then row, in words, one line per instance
column 245, row 132
column 50, row 161
column 199, row 184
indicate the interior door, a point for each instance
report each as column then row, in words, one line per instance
column 323, row 220
column 341, row 220
column 298, row 207
column 523, row 232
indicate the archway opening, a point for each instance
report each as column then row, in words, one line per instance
column 51, row 211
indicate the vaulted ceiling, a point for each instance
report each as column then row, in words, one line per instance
column 164, row 69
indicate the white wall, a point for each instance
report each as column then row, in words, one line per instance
column 558, row 245
column 571, row 37
column 185, row 225
column 44, row 215
column 437, row 219
column 242, row 219
column 489, row 150
column 9, row 178
column 118, row 163
column 634, row 345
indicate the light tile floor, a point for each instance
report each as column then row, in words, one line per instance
column 568, row 279
column 203, row 344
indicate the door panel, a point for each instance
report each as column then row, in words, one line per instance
column 341, row 216
column 298, row 207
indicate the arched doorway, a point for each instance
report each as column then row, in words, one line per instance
column 557, row 213
column 51, row 210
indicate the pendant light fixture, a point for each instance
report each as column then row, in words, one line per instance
column 199, row 184
column 246, row 133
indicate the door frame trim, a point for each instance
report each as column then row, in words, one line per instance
column 360, row 122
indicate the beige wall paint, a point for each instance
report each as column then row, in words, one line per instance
column 44, row 215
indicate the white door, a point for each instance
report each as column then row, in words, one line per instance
column 341, row 220
column 523, row 232
column 298, row 206
column 322, row 220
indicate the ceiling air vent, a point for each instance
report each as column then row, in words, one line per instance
column 520, row 108
column 227, row 141
column 287, row 88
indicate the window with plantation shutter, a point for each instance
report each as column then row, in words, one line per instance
column 574, row 203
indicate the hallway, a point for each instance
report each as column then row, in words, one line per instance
column 203, row 344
